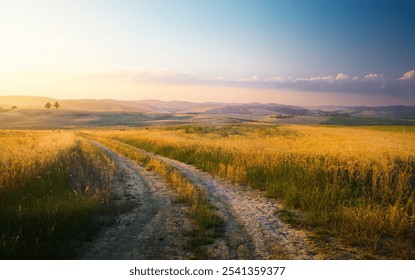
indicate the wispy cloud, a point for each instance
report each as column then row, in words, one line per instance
column 373, row 76
column 254, row 78
column 408, row 75
column 314, row 79
column 275, row 79
column 165, row 76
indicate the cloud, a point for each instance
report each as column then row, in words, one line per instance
column 275, row 79
column 325, row 78
column 373, row 76
column 341, row 76
column 254, row 78
column 373, row 83
column 329, row 78
column 314, row 79
column 408, row 75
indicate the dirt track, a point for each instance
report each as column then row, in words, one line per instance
column 154, row 229
column 153, row 226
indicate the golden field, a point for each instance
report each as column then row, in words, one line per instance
column 355, row 183
column 51, row 185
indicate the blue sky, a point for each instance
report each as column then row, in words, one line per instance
column 286, row 51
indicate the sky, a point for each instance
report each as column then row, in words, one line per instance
column 320, row 52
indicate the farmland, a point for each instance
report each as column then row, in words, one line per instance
column 350, row 188
column 354, row 183
column 52, row 184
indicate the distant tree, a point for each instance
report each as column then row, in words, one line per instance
column 14, row 107
column 56, row 105
column 48, row 105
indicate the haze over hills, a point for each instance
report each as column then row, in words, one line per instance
column 107, row 105
column 31, row 113
column 262, row 109
column 213, row 108
column 28, row 102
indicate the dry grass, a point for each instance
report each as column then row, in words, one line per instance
column 356, row 183
column 26, row 153
column 52, row 185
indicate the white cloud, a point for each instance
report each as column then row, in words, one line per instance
column 408, row 75
column 319, row 78
column 314, row 79
column 254, row 78
column 373, row 76
column 341, row 76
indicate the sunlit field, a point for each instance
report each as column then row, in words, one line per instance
column 51, row 185
column 354, row 183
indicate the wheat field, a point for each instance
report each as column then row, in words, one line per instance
column 52, row 183
column 355, row 183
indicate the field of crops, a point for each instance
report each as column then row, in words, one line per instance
column 354, row 183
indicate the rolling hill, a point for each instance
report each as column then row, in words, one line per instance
column 31, row 113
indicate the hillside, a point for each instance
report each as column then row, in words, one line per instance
column 107, row 105
column 28, row 102
column 31, row 113
column 261, row 109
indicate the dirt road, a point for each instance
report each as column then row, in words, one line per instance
column 152, row 227
column 271, row 238
column 156, row 227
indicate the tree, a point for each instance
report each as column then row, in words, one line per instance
column 56, row 105
column 48, row 105
column 14, row 107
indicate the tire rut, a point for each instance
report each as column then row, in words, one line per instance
column 252, row 226
column 152, row 227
